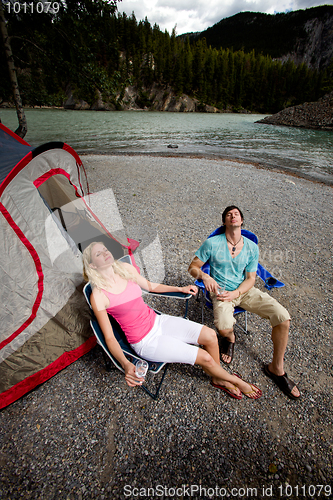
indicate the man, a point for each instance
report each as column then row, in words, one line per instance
column 231, row 257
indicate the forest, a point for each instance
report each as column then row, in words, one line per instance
column 275, row 35
column 89, row 47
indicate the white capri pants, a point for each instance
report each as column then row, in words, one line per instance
column 171, row 340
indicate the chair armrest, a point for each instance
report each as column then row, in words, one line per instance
column 268, row 278
column 174, row 295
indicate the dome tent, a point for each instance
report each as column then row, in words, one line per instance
column 45, row 223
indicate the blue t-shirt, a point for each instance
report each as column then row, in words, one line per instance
column 226, row 270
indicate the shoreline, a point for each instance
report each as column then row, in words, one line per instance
column 294, row 172
column 84, row 434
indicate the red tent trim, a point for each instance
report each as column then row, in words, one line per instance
column 70, row 150
column 20, row 165
column 54, row 171
column 12, row 134
column 67, row 358
column 39, row 271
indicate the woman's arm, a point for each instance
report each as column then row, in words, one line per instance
column 158, row 287
column 98, row 306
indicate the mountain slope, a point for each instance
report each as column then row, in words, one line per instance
column 303, row 35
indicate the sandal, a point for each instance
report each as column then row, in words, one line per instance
column 231, row 394
column 257, row 394
column 282, row 381
column 227, row 348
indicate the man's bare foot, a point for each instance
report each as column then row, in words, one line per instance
column 227, row 349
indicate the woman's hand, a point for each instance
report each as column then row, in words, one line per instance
column 130, row 376
column 192, row 289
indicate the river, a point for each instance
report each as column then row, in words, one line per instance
column 303, row 151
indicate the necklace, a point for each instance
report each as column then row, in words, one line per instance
column 234, row 245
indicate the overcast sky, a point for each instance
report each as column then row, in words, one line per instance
column 197, row 15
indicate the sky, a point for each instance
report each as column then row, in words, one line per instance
column 197, row 15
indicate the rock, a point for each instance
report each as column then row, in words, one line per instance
column 100, row 105
column 73, row 103
column 315, row 115
column 211, row 109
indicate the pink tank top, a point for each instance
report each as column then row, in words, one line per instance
column 130, row 311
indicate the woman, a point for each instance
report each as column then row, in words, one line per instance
column 161, row 338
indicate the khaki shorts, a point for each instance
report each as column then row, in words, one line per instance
column 254, row 301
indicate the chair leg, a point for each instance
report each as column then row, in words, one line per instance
column 202, row 305
column 155, row 395
column 186, row 309
column 244, row 330
column 107, row 361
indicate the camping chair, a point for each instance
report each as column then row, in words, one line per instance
column 131, row 355
column 269, row 280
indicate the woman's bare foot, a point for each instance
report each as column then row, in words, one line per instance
column 249, row 390
column 227, row 387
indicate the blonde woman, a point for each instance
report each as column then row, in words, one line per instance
column 161, row 338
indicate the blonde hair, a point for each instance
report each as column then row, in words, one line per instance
column 94, row 277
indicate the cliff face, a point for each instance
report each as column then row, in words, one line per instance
column 316, row 49
column 156, row 98
column 316, row 115
column 302, row 35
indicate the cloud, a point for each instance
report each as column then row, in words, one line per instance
column 193, row 15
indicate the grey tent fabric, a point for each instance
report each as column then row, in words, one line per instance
column 44, row 317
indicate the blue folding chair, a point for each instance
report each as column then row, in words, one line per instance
column 269, row 280
column 131, row 355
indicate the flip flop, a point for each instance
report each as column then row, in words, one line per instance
column 257, row 395
column 283, row 382
column 227, row 348
column 231, row 394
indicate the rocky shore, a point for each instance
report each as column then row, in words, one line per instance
column 315, row 115
column 85, row 435
column 154, row 98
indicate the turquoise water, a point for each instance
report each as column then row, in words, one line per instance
column 225, row 135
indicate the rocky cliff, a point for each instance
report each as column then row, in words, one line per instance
column 315, row 49
column 156, row 98
column 316, row 115
column 304, row 36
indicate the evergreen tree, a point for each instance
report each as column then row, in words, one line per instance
column 87, row 47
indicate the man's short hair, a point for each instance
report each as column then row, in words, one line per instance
column 228, row 209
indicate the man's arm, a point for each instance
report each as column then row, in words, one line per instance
column 211, row 285
column 195, row 271
column 244, row 287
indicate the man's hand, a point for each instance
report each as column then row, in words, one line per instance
column 228, row 296
column 210, row 283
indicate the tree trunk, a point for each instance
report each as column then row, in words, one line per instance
column 23, row 128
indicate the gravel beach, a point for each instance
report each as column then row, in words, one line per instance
column 85, row 434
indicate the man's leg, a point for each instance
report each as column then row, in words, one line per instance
column 280, row 340
column 267, row 307
column 230, row 337
column 224, row 321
